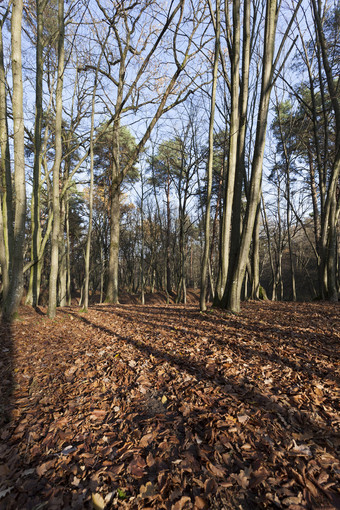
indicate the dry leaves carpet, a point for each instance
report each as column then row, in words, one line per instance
column 162, row 407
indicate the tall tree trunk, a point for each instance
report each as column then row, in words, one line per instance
column 112, row 288
column 316, row 219
column 240, row 174
column 16, row 269
column 102, row 261
column 327, row 226
column 255, row 259
column 88, row 241
column 34, row 287
column 289, row 234
column 233, row 150
column 205, row 261
column 233, row 292
column 332, row 256
column 68, row 255
column 168, row 233
column 6, row 195
column 52, row 301
column 62, row 268
column 279, row 280
column 265, row 222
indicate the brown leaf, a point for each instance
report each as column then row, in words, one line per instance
column 242, row 418
column 136, row 467
column 218, row 471
column 242, row 479
column 181, row 503
column 147, row 490
column 146, row 440
column 258, row 477
column 98, row 414
column 200, row 503
column 98, row 502
column 43, row 468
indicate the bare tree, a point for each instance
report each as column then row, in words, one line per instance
column 17, row 256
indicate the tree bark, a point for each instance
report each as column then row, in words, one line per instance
column 205, row 261
column 34, row 287
column 52, row 302
column 89, row 233
column 233, row 152
column 233, row 292
column 6, row 195
column 16, row 269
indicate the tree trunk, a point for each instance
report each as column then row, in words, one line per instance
column 233, row 151
column 255, row 259
column 6, row 195
column 265, row 222
column 16, row 269
column 88, row 241
column 68, row 255
column 205, row 261
column 112, row 288
column 35, row 276
column 52, row 301
column 233, row 293
column 62, row 267
column 328, row 226
column 168, row 233
column 240, row 175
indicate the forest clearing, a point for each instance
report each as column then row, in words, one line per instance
column 161, row 406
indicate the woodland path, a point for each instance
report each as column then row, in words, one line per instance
column 157, row 406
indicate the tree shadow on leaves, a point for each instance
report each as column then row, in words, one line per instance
column 283, row 418
column 7, row 373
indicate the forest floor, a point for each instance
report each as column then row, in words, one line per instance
column 164, row 407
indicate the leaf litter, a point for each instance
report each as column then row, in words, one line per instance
column 154, row 406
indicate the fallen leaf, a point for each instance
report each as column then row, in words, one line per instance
column 146, row 440
column 218, row 471
column 242, row 479
column 147, row 490
column 242, row 418
column 181, row 503
column 43, row 468
column 200, row 503
column 98, row 502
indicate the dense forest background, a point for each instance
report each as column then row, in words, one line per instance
column 160, row 146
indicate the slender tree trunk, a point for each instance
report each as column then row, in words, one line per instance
column 168, row 233
column 327, row 226
column 16, row 269
column 6, row 195
column 233, row 150
column 52, row 301
column 279, row 280
column 89, row 233
column 240, row 174
column 292, row 269
column 233, row 294
column 332, row 256
column 68, row 255
column 112, row 289
column 102, row 274
column 316, row 219
column 205, row 261
column 34, row 287
column 265, row 222
column 288, row 201
column 62, row 267
column 255, row 259
column 142, row 275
